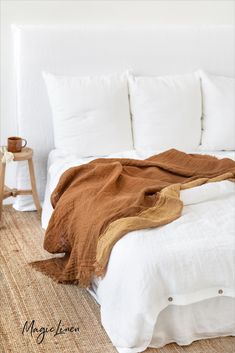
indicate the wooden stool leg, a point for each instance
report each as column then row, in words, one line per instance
column 34, row 188
column 2, row 183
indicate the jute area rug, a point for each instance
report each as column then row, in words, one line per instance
column 30, row 301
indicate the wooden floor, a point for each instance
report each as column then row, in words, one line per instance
column 27, row 295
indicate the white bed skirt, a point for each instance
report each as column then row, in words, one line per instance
column 187, row 323
column 184, row 324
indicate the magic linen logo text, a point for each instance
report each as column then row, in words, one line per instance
column 40, row 332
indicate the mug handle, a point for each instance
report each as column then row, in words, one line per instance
column 25, row 143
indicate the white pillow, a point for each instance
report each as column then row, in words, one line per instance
column 218, row 95
column 166, row 112
column 91, row 115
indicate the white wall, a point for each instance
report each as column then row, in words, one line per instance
column 92, row 12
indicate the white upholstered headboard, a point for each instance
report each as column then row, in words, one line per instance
column 157, row 50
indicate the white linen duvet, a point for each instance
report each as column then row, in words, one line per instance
column 185, row 263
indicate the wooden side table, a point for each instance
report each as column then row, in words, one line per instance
column 25, row 155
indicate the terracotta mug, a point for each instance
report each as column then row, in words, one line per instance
column 15, row 144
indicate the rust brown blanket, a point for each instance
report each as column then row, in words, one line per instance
column 97, row 203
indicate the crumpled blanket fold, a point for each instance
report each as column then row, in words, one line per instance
column 97, row 203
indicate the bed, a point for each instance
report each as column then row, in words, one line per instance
column 155, row 307
column 198, row 314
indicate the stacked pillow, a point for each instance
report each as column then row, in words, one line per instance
column 218, row 113
column 166, row 112
column 92, row 115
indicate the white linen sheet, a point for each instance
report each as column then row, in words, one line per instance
column 155, row 277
